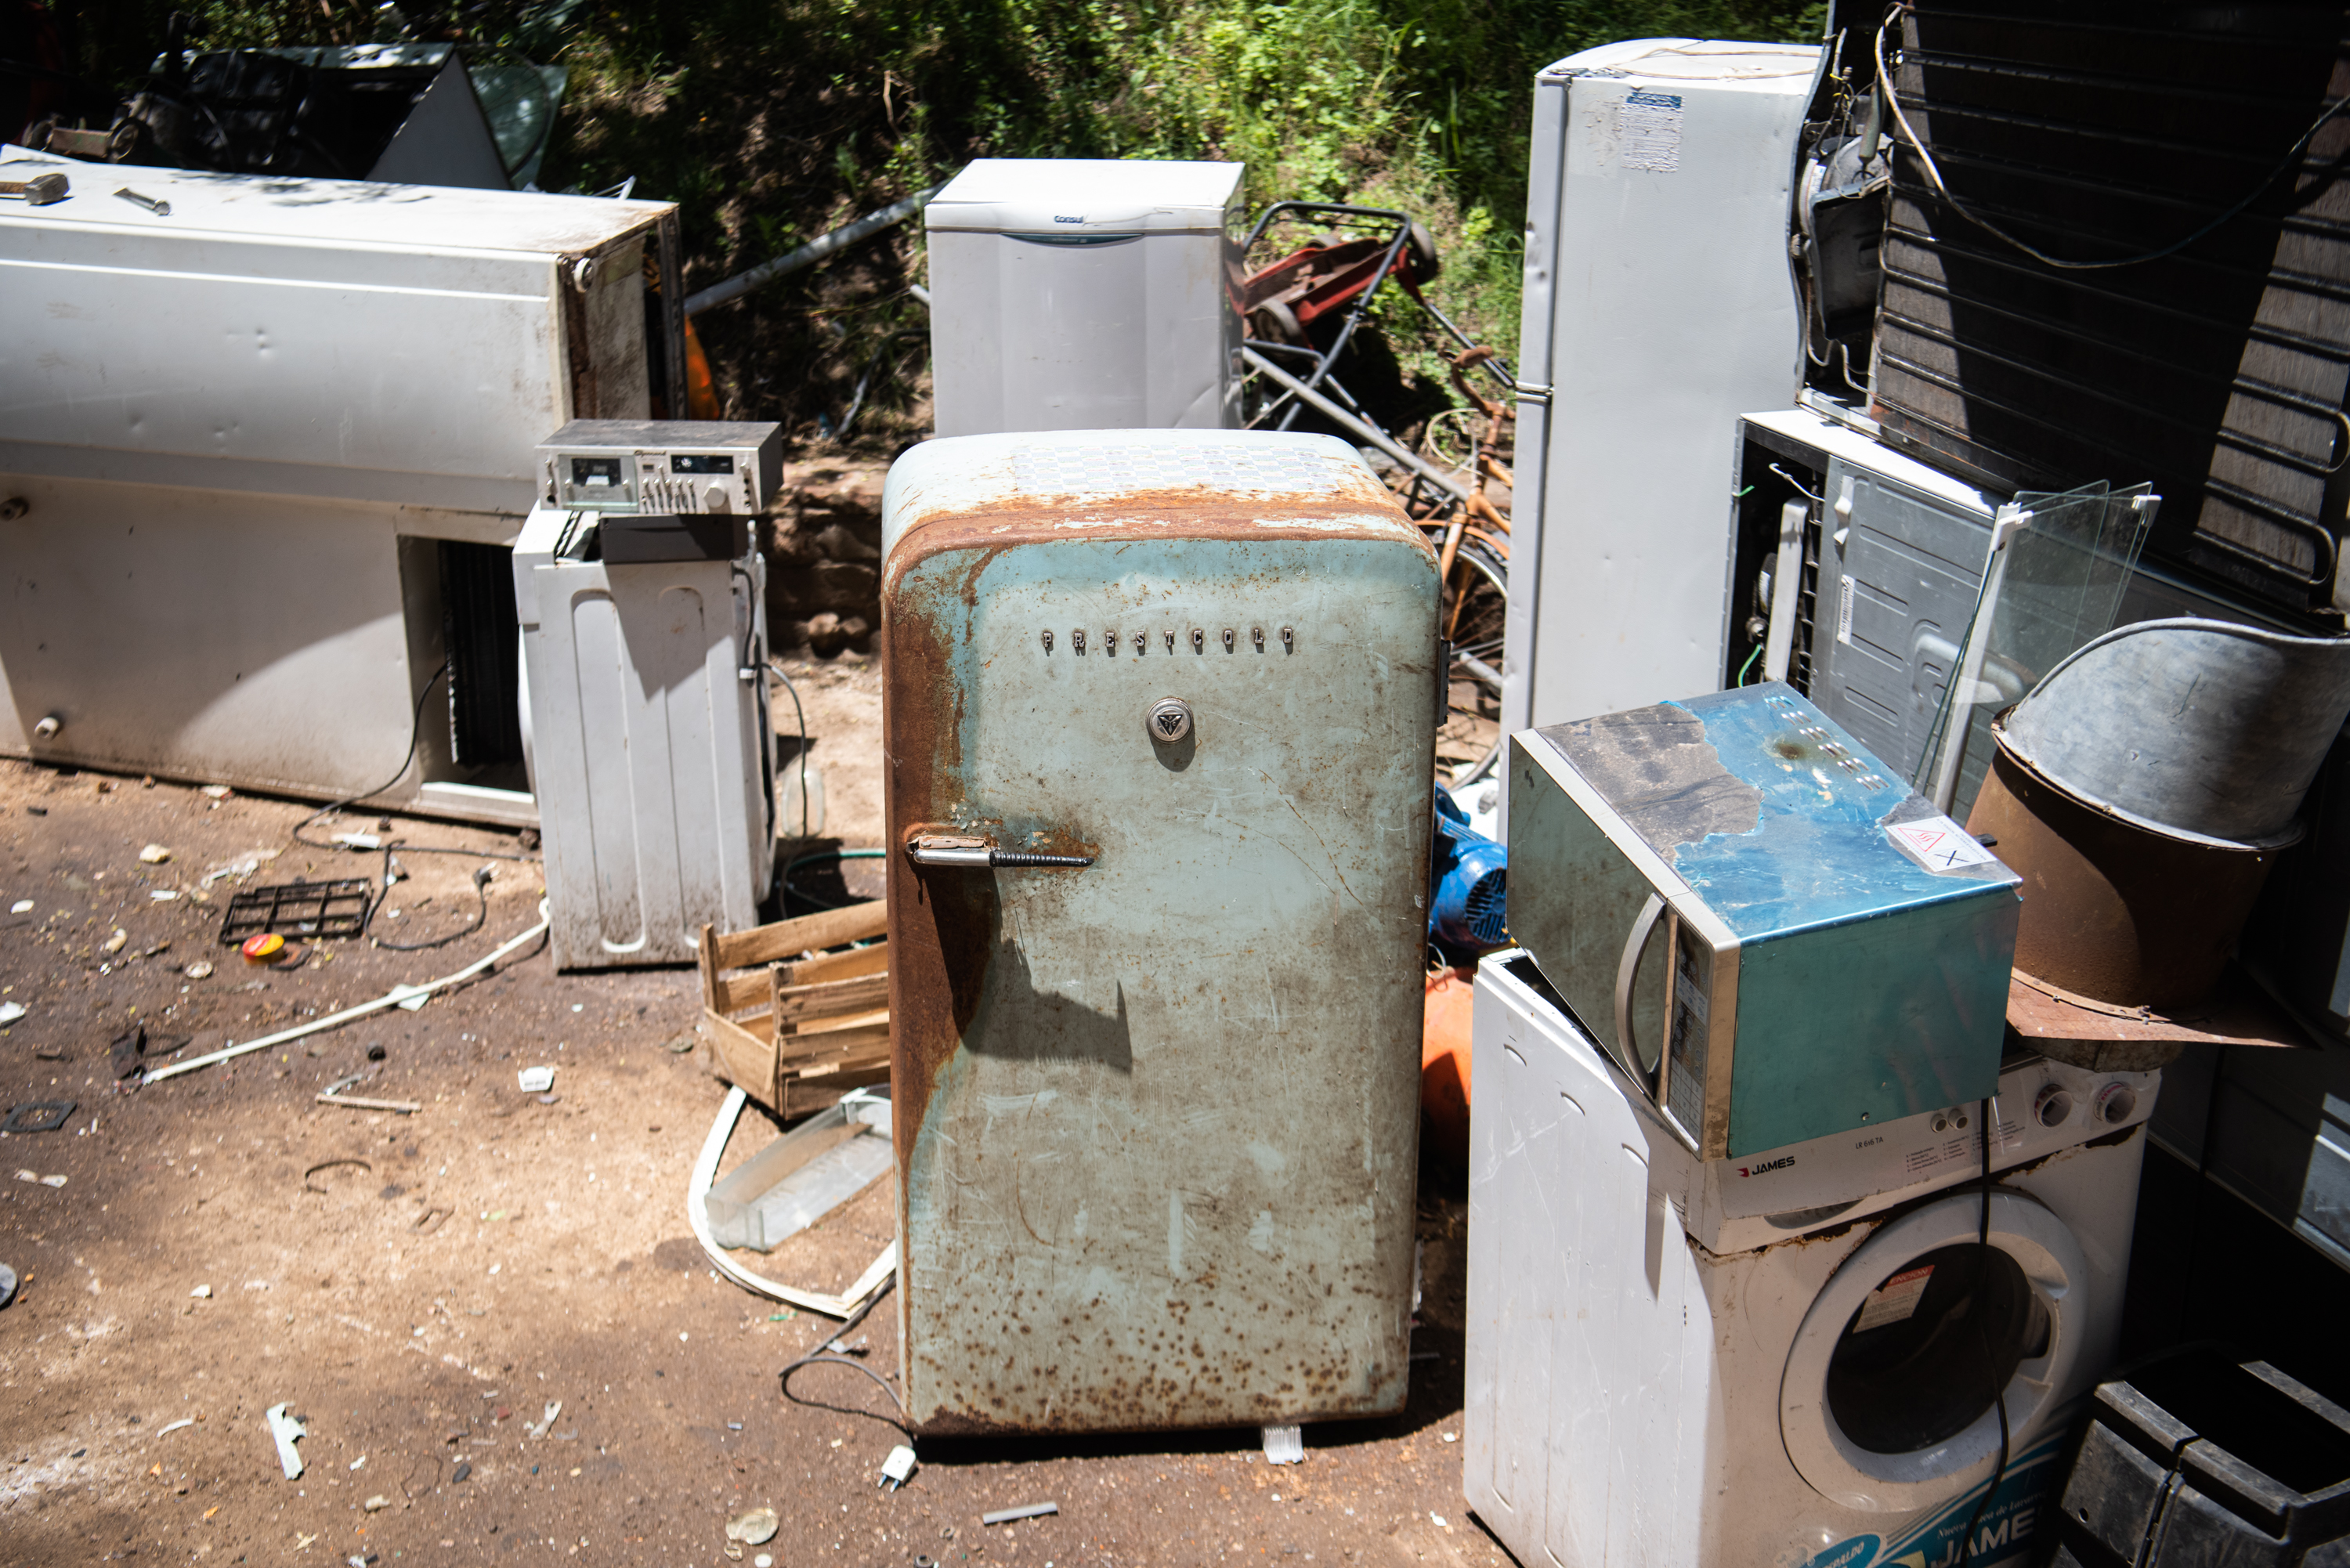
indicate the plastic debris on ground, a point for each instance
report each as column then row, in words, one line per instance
column 285, row 1430
column 753, row 1528
column 803, row 1175
column 37, row 1116
column 10, row 1011
column 1025, row 1510
column 535, row 1080
column 899, row 1468
column 1284, row 1445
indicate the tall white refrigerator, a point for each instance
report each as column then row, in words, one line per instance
column 1659, row 307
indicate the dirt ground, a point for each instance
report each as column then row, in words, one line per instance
column 423, row 1289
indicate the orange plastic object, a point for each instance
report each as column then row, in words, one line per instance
column 1444, row 1063
column 262, row 948
column 700, row 391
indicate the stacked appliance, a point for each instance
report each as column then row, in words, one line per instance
column 1086, row 294
column 239, row 563
column 642, row 590
column 1159, row 710
column 1744, row 1284
column 1787, row 1357
column 1656, row 310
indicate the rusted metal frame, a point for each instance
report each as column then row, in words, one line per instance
column 1386, row 444
column 1360, row 308
column 808, row 255
column 1403, row 221
column 1334, row 386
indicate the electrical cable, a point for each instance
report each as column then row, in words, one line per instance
column 481, row 916
column 415, row 733
column 899, row 1420
column 1934, row 174
column 799, row 716
column 1797, row 486
column 1748, row 665
column 1998, row 1394
column 796, row 861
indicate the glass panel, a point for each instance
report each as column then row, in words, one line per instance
column 2054, row 580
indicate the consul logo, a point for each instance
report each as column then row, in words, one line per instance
column 1782, row 1163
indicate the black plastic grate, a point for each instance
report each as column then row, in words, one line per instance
column 298, row 909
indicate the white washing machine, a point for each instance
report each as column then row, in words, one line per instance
column 1789, row 1359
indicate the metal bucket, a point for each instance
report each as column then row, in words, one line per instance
column 2188, row 726
column 2113, row 910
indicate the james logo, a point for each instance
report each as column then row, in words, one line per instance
column 1855, row 1552
column 1782, row 1163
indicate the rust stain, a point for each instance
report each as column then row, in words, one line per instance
column 1143, row 516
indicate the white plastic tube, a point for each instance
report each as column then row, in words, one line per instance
column 705, row 1172
column 392, row 998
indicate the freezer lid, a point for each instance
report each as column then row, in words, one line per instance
column 328, row 213
column 1096, row 481
column 1075, row 198
column 1698, row 62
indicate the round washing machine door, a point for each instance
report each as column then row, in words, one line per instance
column 1886, row 1401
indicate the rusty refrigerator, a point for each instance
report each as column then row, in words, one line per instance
column 1160, row 716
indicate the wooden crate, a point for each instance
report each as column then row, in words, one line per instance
column 798, row 1033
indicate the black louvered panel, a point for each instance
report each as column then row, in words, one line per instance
column 483, row 632
column 2218, row 373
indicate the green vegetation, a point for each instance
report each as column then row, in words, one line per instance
column 772, row 121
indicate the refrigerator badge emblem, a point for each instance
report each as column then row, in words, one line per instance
column 1169, row 721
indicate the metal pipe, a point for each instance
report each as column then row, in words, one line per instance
column 1333, row 411
column 808, row 255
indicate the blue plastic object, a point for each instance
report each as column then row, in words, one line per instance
column 1468, row 879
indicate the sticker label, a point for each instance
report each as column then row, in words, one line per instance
column 1939, row 845
column 1895, row 1301
column 1648, row 130
column 1844, row 615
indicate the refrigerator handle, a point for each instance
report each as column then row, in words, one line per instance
column 953, row 849
column 1635, row 945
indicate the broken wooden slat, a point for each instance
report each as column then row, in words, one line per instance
column 874, row 959
column 858, row 993
column 789, row 938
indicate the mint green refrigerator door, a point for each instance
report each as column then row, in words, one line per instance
column 1157, row 1117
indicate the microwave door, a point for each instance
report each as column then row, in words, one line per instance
column 1641, row 980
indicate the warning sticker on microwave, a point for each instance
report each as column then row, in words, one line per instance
column 1939, row 845
column 1895, row 1301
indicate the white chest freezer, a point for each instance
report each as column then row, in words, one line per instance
column 1084, row 293
column 266, row 454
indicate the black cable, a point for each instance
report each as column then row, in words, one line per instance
column 481, row 916
column 415, row 733
column 1998, row 1394
column 1893, row 102
column 799, row 717
column 899, row 1420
